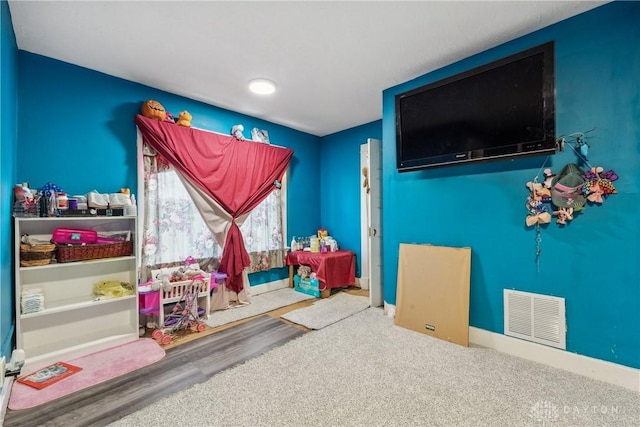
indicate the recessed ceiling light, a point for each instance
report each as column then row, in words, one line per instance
column 262, row 86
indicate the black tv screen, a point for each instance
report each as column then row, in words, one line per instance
column 501, row 110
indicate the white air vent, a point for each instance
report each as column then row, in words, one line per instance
column 535, row 317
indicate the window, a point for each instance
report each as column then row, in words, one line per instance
column 174, row 229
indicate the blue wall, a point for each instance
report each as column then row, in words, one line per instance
column 592, row 263
column 341, row 184
column 8, row 133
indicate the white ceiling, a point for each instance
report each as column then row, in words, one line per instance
column 330, row 60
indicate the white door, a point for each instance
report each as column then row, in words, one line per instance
column 364, row 216
column 371, row 202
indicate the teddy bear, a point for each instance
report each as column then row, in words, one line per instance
column 163, row 282
column 304, row 271
column 184, row 119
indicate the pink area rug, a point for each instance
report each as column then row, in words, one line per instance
column 96, row 368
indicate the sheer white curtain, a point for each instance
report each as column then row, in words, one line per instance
column 175, row 229
column 263, row 234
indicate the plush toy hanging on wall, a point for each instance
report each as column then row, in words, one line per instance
column 569, row 192
column 538, row 212
column 599, row 184
column 153, row 110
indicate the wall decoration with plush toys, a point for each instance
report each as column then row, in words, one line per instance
column 567, row 193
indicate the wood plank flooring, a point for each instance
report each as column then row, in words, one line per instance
column 184, row 365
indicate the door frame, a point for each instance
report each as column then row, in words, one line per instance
column 371, row 221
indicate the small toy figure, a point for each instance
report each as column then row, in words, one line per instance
column 548, row 178
column 165, row 282
column 599, row 184
column 236, row 131
column 564, row 215
column 304, row 271
column 184, row 119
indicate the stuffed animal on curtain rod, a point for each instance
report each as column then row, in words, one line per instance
column 184, row 119
column 154, row 110
column 236, row 131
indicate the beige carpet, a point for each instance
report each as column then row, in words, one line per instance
column 366, row 371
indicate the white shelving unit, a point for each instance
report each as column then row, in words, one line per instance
column 74, row 322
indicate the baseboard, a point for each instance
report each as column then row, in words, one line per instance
column 389, row 310
column 5, row 392
column 358, row 283
column 269, row 286
column 275, row 285
column 601, row 370
column 612, row 373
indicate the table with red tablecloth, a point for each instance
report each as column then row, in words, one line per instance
column 333, row 269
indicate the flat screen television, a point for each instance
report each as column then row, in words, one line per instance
column 501, row 110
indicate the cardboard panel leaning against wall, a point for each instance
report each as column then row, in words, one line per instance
column 433, row 291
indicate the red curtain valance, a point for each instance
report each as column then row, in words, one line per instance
column 238, row 175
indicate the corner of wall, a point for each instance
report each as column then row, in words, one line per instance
column 6, row 348
column 389, row 310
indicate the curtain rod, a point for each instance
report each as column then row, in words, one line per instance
column 226, row 134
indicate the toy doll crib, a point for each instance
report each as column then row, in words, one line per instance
column 159, row 302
